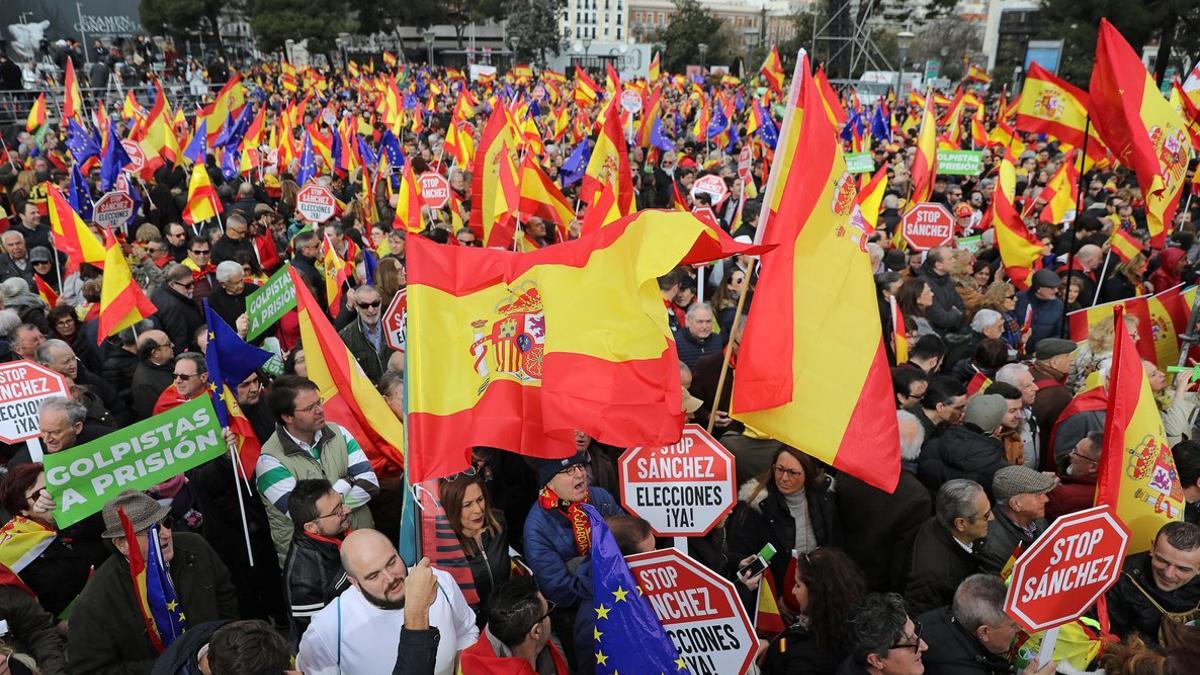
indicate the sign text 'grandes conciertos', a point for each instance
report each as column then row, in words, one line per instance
column 137, row 457
column 700, row 611
column 682, row 489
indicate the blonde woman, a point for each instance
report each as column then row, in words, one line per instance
column 1096, row 349
column 1002, row 297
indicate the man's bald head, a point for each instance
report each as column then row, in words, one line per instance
column 1089, row 256
column 375, row 568
column 155, row 345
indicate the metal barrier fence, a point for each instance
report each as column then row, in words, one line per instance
column 15, row 104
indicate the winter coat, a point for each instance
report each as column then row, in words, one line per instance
column 31, row 631
column 947, row 311
column 313, row 577
column 178, row 316
column 1003, row 537
column 149, row 382
column 373, row 361
column 880, row 527
column 767, row 519
column 490, row 656
column 491, row 566
column 1047, row 316
column 108, row 634
column 230, row 307
column 1130, row 611
column 1051, row 399
column 955, row 651
column 691, row 348
column 939, row 564
column 797, row 653
column 963, row 451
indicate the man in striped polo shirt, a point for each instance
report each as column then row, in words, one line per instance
column 304, row 447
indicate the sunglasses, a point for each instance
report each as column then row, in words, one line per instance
column 370, row 305
column 204, row 252
column 185, row 377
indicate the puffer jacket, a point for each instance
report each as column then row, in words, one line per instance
column 313, row 577
column 963, row 451
column 1130, row 611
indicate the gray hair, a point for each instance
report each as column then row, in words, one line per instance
column 912, row 435
column 75, row 411
column 979, row 601
column 9, row 234
column 196, row 358
column 1010, row 373
column 696, row 308
column 9, row 320
column 228, row 269
column 985, row 318
column 46, row 348
column 177, row 272
column 955, row 500
column 389, row 381
column 13, row 287
column 875, row 625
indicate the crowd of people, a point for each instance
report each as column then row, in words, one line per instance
column 1001, row 421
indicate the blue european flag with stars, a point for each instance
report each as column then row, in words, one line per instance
column 308, row 163
column 629, row 637
column 160, row 593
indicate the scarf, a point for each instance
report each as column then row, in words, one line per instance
column 575, row 515
column 22, row 541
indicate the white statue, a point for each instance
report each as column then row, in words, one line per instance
column 27, row 37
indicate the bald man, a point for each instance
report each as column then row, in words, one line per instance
column 153, row 373
column 1085, row 267
column 357, row 631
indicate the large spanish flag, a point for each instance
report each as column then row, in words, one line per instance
column 812, row 368
column 1137, row 472
column 71, row 236
column 1049, row 105
column 122, row 302
column 518, row 350
column 924, row 166
column 1143, row 130
column 350, row 400
column 1020, row 250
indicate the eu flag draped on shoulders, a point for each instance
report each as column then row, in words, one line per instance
column 812, row 368
column 230, row 361
column 629, row 637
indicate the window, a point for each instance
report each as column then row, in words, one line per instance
column 605, row 4
column 618, row 32
column 606, row 31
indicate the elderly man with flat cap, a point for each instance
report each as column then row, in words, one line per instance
column 108, row 633
column 1051, row 365
column 1019, row 494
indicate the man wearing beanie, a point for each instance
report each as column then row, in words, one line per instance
column 558, row 543
column 108, row 633
column 970, row 450
column 1020, row 499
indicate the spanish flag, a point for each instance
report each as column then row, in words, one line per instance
column 502, row 352
column 45, row 290
column 1144, row 131
column 37, row 114
column 1061, row 194
column 122, row 302
column 202, row 201
column 337, row 273
column 408, row 206
column 1124, row 244
column 1020, row 250
column 1137, row 472
column 830, row 100
column 586, row 89
column 493, row 183
column 772, row 70
column 1049, row 105
column 654, row 67
column 812, row 369
column 924, row 166
column 978, row 74
column 609, row 165
column 72, row 99
column 768, row 620
column 899, row 332
column 865, row 216
column 350, row 400
column 71, row 235
column 541, row 197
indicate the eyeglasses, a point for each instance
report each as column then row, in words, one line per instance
column 786, row 472
column 188, row 284
column 338, row 510
column 168, row 522
column 574, row 468
column 1084, row 457
column 987, row 515
column 185, row 377
column 469, row 472
column 311, row 408
column 41, row 262
column 915, row 645
column 204, row 252
column 370, row 305
column 550, row 607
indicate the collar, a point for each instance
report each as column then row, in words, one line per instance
column 306, row 447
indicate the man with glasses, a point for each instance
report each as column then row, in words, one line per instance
column 235, row 239
column 313, row 573
column 944, row 549
column 177, row 241
column 941, row 406
column 558, row 543
column 518, row 628
column 190, row 380
column 364, row 336
column 199, row 261
column 305, row 446
column 178, row 314
column 108, row 632
column 882, row 639
column 1077, row 489
column 153, row 374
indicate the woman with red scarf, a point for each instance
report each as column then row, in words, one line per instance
column 558, row 543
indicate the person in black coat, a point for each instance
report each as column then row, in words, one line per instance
column 826, row 587
column 1148, row 579
column 947, row 312
column 228, row 297
column 1126, row 280
column 970, row 450
column 972, row 636
column 480, row 529
column 178, row 314
column 943, row 552
column 767, row 512
column 880, row 527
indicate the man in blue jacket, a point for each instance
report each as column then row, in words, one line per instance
column 1047, row 306
column 558, row 541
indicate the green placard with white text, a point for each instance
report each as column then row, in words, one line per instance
column 860, row 162
column 959, row 162
column 268, row 304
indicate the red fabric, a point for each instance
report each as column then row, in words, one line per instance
column 1074, row 494
column 481, row 659
column 168, row 399
column 1089, row 401
column 1167, row 274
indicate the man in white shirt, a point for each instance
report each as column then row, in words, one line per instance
column 357, row 633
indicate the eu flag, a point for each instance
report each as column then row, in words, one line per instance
column 308, row 164
column 719, row 123
column 198, row 146
column 160, row 593
column 879, row 126
column 369, row 158
column 112, row 160
column 391, row 147
column 659, row 138
column 82, row 144
column 576, row 163
column 629, row 637
column 230, row 361
column 79, row 194
column 768, row 132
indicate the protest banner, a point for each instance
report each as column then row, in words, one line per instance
column 959, row 162
column 860, row 162
column 23, row 387
column 927, row 225
column 315, row 203
column 682, row 490
column 700, row 611
column 266, row 305
column 137, row 457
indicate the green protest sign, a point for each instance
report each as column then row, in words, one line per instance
column 972, row 244
column 266, row 305
column 137, row 457
column 960, row 162
column 859, row 162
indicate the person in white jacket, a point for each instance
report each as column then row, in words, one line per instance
column 358, row 632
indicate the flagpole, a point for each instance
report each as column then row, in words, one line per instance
column 233, row 463
column 1100, row 281
column 1087, row 132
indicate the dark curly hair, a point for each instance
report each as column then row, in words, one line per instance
column 835, row 586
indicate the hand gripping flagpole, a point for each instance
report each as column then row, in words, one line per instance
column 769, row 191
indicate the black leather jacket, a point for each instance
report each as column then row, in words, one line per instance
column 313, row 577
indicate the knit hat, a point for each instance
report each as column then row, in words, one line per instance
column 985, row 411
column 1048, row 348
column 548, row 468
column 1019, row 480
column 140, row 508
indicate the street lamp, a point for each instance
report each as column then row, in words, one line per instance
column 587, row 43
column 429, row 36
column 703, row 55
column 903, row 40
column 515, row 40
